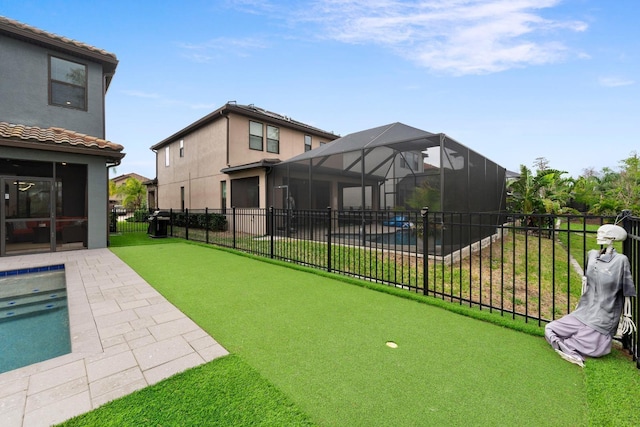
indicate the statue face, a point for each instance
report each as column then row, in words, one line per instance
column 609, row 233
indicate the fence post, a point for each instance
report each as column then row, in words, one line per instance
column 186, row 224
column 233, row 214
column 206, row 225
column 329, row 239
column 171, row 220
column 271, row 225
column 425, row 249
column 630, row 247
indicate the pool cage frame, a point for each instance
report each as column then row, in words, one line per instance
column 392, row 168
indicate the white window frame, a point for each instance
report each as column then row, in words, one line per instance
column 254, row 137
column 273, row 139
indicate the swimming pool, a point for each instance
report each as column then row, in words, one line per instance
column 34, row 317
column 401, row 237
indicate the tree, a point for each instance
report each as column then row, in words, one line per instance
column 618, row 191
column 541, row 163
column 546, row 192
column 586, row 192
column 134, row 194
column 424, row 195
column 113, row 188
column 629, row 184
column 524, row 192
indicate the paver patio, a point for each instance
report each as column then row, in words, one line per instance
column 124, row 336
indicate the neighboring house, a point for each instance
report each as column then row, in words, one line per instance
column 223, row 159
column 54, row 159
column 117, row 199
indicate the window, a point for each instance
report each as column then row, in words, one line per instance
column 67, row 83
column 307, row 142
column 322, row 143
column 166, row 155
column 245, row 192
column 273, row 139
column 255, row 135
column 181, row 148
column 182, row 198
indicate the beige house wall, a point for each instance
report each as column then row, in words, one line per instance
column 291, row 142
column 198, row 171
column 222, row 142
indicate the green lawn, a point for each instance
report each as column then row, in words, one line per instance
column 317, row 345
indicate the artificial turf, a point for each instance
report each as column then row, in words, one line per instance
column 322, row 343
column 224, row 392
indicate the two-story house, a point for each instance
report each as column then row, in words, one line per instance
column 54, row 159
column 223, row 159
column 116, row 198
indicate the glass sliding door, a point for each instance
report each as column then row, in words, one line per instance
column 26, row 215
column 44, row 206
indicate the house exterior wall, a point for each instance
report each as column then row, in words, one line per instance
column 198, row 171
column 96, row 187
column 24, row 90
column 221, row 143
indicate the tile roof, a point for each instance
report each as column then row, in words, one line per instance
column 54, row 136
column 18, row 27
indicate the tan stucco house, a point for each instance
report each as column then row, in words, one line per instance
column 117, row 199
column 223, row 159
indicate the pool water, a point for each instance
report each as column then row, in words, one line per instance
column 398, row 237
column 34, row 317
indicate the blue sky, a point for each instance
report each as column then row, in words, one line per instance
column 511, row 79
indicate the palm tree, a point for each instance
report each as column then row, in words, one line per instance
column 545, row 192
column 134, row 194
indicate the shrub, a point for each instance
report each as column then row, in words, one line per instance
column 139, row 215
column 211, row 221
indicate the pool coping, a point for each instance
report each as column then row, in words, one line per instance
column 124, row 336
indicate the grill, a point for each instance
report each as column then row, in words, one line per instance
column 158, row 222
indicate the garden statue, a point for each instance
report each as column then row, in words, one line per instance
column 604, row 307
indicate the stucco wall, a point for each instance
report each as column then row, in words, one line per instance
column 205, row 155
column 24, row 90
column 96, row 187
column 198, row 171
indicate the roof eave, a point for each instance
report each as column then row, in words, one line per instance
column 62, row 148
column 108, row 61
column 229, row 108
column 265, row 163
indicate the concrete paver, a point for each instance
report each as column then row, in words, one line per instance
column 124, row 337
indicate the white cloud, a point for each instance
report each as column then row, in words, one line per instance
column 615, row 81
column 209, row 50
column 451, row 36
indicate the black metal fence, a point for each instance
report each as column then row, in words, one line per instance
column 528, row 267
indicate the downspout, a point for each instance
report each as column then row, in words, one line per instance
column 268, row 190
column 109, row 166
column 226, row 116
column 157, row 192
column 117, row 162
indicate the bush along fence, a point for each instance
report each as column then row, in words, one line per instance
column 526, row 267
